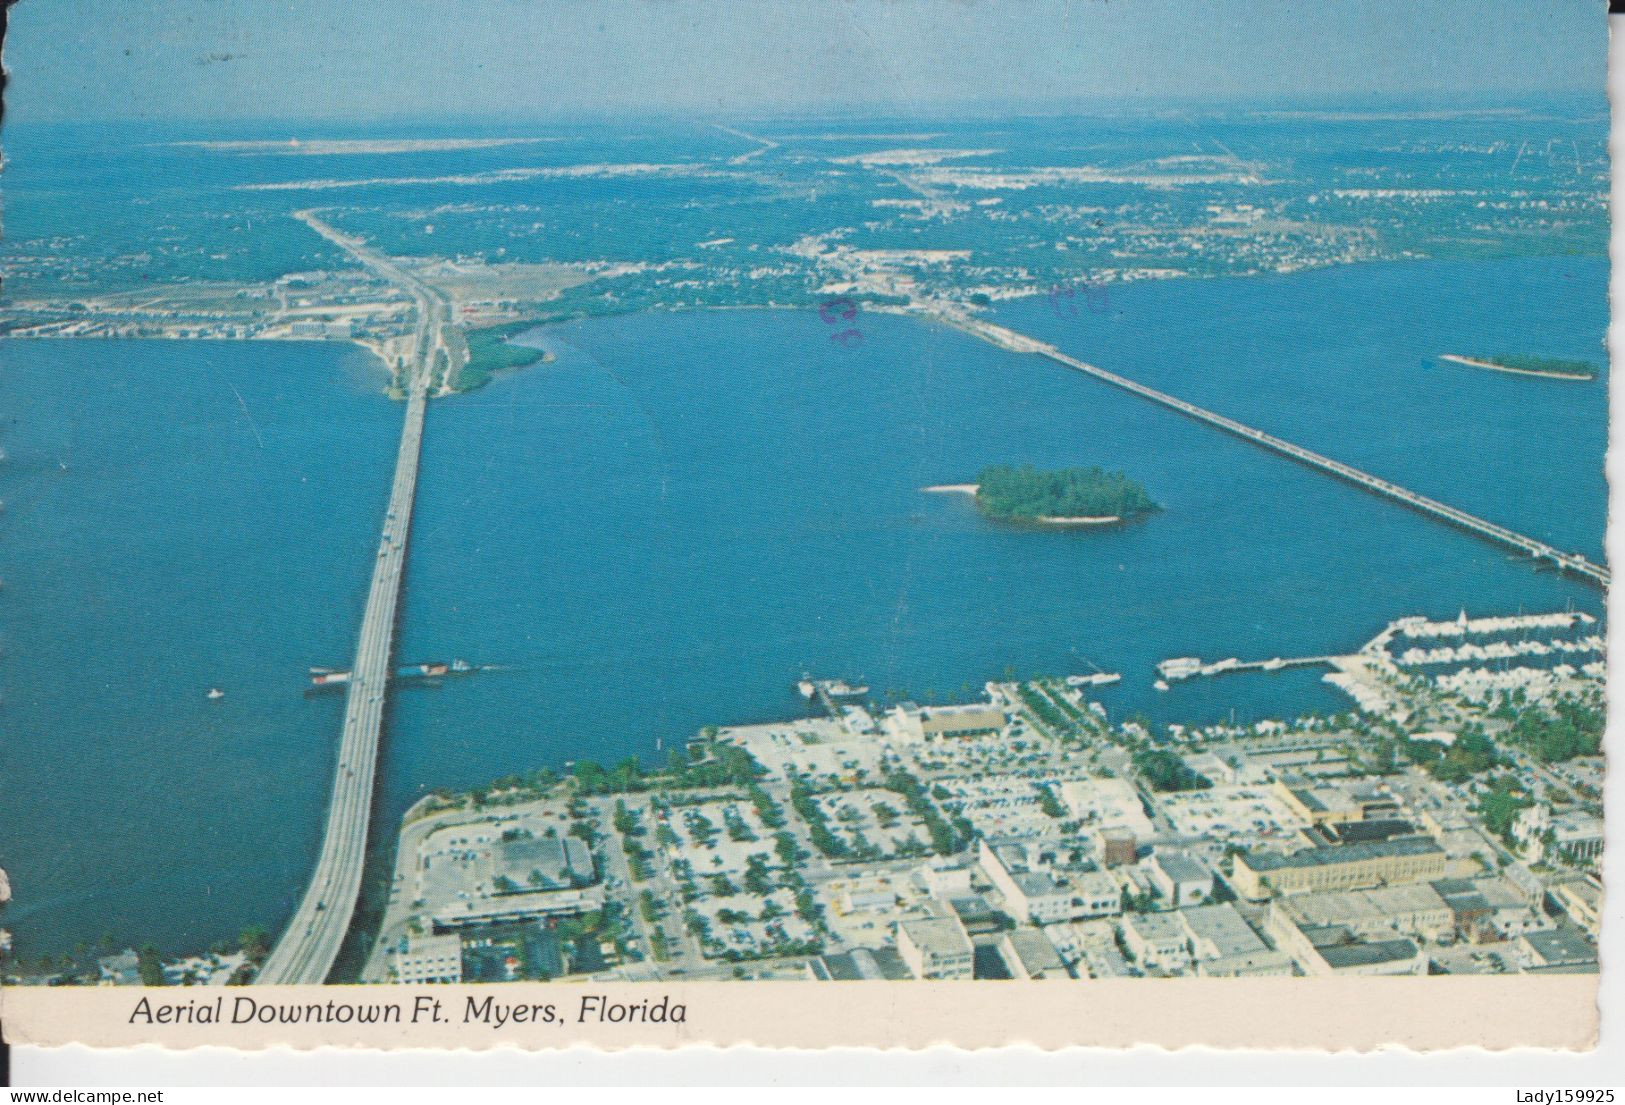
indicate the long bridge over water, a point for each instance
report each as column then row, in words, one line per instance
column 311, row 942
column 1537, row 550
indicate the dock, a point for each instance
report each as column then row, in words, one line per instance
column 1190, row 667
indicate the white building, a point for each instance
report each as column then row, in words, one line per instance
column 1044, row 894
column 1029, row 954
column 1573, row 837
column 945, row 878
column 1157, row 940
column 1338, row 950
column 1107, row 804
column 430, row 959
column 1180, row 878
column 1218, row 931
column 911, row 724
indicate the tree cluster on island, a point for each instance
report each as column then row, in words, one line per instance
column 1025, row 493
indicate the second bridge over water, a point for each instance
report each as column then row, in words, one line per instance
column 1538, row 550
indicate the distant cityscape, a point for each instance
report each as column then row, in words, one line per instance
column 1028, row 835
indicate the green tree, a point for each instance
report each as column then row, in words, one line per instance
column 255, row 943
column 150, row 965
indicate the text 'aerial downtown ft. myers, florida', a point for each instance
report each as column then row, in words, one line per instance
column 769, row 530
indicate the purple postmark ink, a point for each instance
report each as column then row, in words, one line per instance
column 840, row 310
column 1063, row 298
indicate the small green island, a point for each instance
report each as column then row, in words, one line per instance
column 490, row 351
column 1554, row 368
column 1064, row 496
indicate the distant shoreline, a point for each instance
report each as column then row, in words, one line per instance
column 1493, row 367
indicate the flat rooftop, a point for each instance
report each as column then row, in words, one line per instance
column 1345, row 853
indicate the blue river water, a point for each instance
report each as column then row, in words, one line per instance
column 669, row 523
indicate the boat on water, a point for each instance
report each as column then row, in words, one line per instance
column 1160, row 685
column 215, row 693
column 1180, row 667
column 433, row 669
column 835, row 688
column 1098, row 679
column 424, row 671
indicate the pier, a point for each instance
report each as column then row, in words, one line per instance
column 1536, row 550
column 310, row 944
column 828, row 691
column 1174, row 671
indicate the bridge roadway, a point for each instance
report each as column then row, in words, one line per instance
column 1538, row 550
column 311, row 942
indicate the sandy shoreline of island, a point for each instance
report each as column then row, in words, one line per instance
column 972, row 488
column 1493, row 367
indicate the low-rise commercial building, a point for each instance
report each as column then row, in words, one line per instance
column 1338, row 950
column 123, row 969
column 936, row 948
column 1406, row 859
column 1218, row 932
column 911, row 723
column 1029, row 954
column 429, row 958
column 1046, row 895
column 1572, row 837
column 1118, row 847
column 1581, row 900
column 544, row 863
column 1180, row 878
column 1264, row 963
column 1415, row 909
column 1157, row 941
column 1556, row 949
column 505, row 908
column 859, row 965
column 1333, row 804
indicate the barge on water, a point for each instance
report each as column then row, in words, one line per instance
column 322, row 678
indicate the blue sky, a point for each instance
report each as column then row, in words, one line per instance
column 383, row 59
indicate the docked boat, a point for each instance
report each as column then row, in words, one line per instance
column 1180, row 667
column 835, row 688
